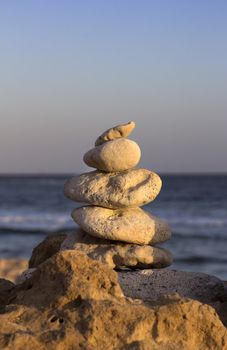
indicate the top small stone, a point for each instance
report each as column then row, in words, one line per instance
column 116, row 132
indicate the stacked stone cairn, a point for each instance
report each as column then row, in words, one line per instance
column 113, row 228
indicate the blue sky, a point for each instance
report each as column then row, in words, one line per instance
column 71, row 69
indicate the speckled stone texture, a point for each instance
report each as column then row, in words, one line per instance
column 133, row 225
column 150, row 284
column 131, row 188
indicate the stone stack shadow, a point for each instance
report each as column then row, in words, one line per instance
column 112, row 227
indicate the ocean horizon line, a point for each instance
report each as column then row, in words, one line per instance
column 51, row 174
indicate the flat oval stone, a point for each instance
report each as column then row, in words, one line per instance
column 133, row 225
column 131, row 188
column 122, row 130
column 117, row 155
column 117, row 254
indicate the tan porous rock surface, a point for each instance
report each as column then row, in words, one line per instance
column 48, row 247
column 122, row 130
column 6, row 287
column 133, row 225
column 131, row 188
column 146, row 284
column 67, row 276
column 113, row 156
column 26, row 274
column 117, row 254
column 76, row 303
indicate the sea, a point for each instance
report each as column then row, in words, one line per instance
column 195, row 206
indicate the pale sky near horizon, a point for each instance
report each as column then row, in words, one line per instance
column 71, row 69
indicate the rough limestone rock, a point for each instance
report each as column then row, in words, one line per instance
column 46, row 249
column 122, row 130
column 117, row 155
column 131, row 188
column 133, row 225
column 86, row 278
column 76, row 303
column 117, row 255
column 5, row 288
column 221, row 309
column 25, row 275
column 151, row 284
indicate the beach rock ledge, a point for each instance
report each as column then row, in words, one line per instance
column 74, row 302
